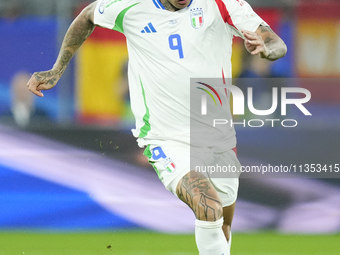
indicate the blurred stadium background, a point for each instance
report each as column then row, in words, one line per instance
column 73, row 181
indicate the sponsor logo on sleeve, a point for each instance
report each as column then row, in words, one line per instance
column 251, row 15
column 102, row 7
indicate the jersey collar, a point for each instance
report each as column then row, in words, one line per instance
column 159, row 5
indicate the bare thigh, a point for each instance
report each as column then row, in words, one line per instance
column 198, row 193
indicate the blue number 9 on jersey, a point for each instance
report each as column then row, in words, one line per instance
column 158, row 153
column 175, row 43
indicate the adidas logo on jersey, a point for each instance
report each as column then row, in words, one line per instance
column 173, row 22
column 149, row 29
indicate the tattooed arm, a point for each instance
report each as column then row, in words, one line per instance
column 78, row 32
column 265, row 42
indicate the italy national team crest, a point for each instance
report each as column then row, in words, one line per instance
column 169, row 165
column 196, row 16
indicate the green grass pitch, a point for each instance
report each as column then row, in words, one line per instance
column 149, row 243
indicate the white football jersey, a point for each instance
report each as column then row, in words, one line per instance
column 166, row 49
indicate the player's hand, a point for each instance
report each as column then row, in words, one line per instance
column 43, row 81
column 255, row 44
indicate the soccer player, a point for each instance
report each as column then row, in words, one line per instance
column 169, row 42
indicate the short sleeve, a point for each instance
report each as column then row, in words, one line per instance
column 105, row 15
column 239, row 15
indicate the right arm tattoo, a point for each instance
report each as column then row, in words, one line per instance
column 80, row 29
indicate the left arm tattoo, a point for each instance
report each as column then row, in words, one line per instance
column 275, row 45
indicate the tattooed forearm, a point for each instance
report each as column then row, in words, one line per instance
column 265, row 29
column 78, row 32
column 65, row 57
column 277, row 48
column 268, row 40
column 80, row 29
